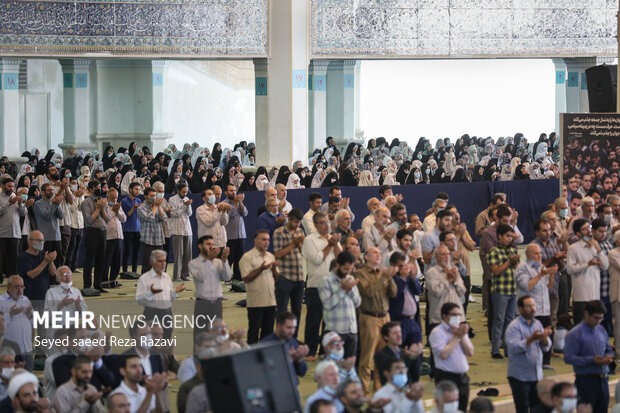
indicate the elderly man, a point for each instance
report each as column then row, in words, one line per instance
column 18, row 313
column 271, row 219
column 24, row 394
column 526, row 340
column 446, row 398
column 445, row 285
column 587, row 213
column 64, row 297
column 78, row 394
column 584, row 262
column 543, row 391
column 119, row 403
column 451, row 347
column 342, row 225
column 155, row 290
column 36, row 268
column 181, row 232
column 380, row 236
column 314, row 199
column 328, row 379
column 334, row 351
column 7, row 368
column 259, row 270
column 151, row 214
column 319, row 250
column 12, row 207
column 372, row 204
column 376, row 287
column 430, row 221
column 283, row 205
column 534, row 279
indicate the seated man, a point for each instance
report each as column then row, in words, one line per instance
column 7, row 364
column 410, row 355
column 78, row 394
column 328, row 379
column 333, row 346
column 142, row 399
column 403, row 398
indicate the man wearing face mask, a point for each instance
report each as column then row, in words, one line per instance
column 212, row 219
column 7, row 366
column 584, row 262
column 587, row 349
column 48, row 212
column 333, row 346
column 78, row 394
column 151, row 215
column 12, row 207
column 181, row 232
column 36, row 267
column 96, row 216
column 131, row 227
column 402, row 397
column 451, row 347
column 446, row 398
column 328, row 380
column 114, row 239
column 64, row 297
column 564, row 399
column 526, row 339
column 271, row 219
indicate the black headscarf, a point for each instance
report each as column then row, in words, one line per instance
column 245, row 185
column 216, row 154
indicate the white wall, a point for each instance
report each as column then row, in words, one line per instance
column 200, row 108
column 447, row 98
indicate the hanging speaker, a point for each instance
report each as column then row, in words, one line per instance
column 602, row 88
column 257, row 380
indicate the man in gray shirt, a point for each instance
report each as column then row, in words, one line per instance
column 77, row 394
column 48, row 212
column 96, row 217
column 12, row 207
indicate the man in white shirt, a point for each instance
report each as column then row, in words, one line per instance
column 283, row 205
column 212, row 219
column 319, row 249
column 259, row 270
column 380, row 236
column 328, row 379
column 64, row 297
column 403, row 398
column 114, row 239
column 446, row 398
column 155, row 290
column 431, row 219
column 145, row 399
column 208, row 272
column 12, row 208
column 314, row 199
column 181, row 232
column 584, row 260
column 451, row 346
column 372, row 204
column 17, row 310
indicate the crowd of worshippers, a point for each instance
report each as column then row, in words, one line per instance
column 591, row 169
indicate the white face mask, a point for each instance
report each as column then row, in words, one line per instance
column 7, row 372
column 222, row 338
column 66, row 286
column 455, row 321
column 211, row 199
column 336, row 354
column 146, row 342
column 568, row 405
column 451, row 407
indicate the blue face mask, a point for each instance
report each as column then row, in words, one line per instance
column 399, row 380
column 417, row 175
column 534, row 263
column 563, row 213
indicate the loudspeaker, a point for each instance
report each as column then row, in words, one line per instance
column 257, row 380
column 602, row 88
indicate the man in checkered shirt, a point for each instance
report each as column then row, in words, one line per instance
column 287, row 243
column 502, row 259
column 599, row 233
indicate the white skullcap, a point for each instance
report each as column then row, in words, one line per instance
column 18, row 380
column 329, row 337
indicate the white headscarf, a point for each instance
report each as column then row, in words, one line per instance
column 293, row 182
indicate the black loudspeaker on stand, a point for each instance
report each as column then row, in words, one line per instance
column 257, row 380
column 602, row 88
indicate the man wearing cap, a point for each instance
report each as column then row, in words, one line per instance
column 333, row 346
column 24, row 395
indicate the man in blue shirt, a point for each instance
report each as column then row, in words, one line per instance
column 587, row 349
column 131, row 227
column 271, row 219
column 526, row 341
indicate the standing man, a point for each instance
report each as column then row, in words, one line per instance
column 48, row 212
column 235, row 229
column 584, row 262
column 444, row 285
column 395, row 350
column 288, row 241
column 212, row 219
column 181, row 232
column 131, row 227
column 95, row 212
column 36, row 268
column 155, row 290
column 159, row 189
column 376, row 288
column 271, row 219
column 502, row 259
column 12, row 208
column 340, row 297
column 484, row 219
column 319, row 249
column 151, row 214
column 315, row 199
column 259, row 270
column 372, row 204
column 588, row 350
column 430, row 221
column 380, row 236
column 526, row 340
column 430, row 240
column 208, row 272
column 451, row 346
column 614, row 288
column 114, row 239
column 18, row 313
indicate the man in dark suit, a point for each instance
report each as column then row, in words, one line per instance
column 61, row 367
column 393, row 337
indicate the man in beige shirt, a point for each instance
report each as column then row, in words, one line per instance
column 114, row 240
column 259, row 270
column 78, row 395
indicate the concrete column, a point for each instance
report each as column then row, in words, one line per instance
column 560, row 90
column 77, row 114
column 159, row 136
column 282, row 106
column 317, row 113
column 9, row 107
column 343, row 100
